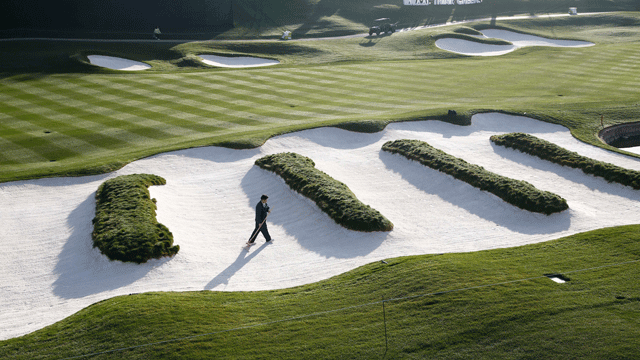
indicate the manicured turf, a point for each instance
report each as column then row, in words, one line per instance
column 59, row 115
column 487, row 305
column 87, row 123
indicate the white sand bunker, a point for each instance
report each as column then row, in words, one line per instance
column 116, row 63
column 517, row 41
column 236, row 62
column 51, row 270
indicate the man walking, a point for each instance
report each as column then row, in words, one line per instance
column 262, row 210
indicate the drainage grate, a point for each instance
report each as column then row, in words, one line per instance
column 560, row 279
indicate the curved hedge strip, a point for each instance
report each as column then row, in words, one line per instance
column 125, row 227
column 515, row 192
column 331, row 196
column 551, row 152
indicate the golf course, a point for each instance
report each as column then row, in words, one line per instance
column 457, row 272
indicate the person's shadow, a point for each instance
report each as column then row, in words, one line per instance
column 243, row 258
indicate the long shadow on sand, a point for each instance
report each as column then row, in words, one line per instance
column 215, row 154
column 336, row 138
column 243, row 259
column 303, row 220
column 82, row 270
column 571, row 174
column 477, row 202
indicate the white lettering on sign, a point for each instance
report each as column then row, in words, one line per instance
column 441, row 2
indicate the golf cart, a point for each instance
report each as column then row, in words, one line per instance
column 382, row 25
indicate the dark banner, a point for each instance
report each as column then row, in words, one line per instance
column 117, row 15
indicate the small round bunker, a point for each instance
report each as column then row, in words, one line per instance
column 621, row 135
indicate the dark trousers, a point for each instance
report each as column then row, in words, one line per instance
column 263, row 230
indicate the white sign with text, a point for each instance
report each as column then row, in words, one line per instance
column 441, row 2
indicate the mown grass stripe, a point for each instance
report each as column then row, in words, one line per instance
column 354, row 89
column 243, row 104
column 380, row 86
column 145, row 96
column 271, row 97
column 312, row 98
column 49, row 150
column 246, row 98
column 339, row 101
column 338, row 94
column 285, row 97
column 71, row 136
column 86, row 117
column 12, row 147
column 154, row 110
column 240, row 81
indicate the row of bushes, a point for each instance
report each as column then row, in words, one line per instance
column 125, row 226
column 331, row 196
column 516, row 192
column 545, row 150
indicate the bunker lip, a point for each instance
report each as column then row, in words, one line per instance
column 518, row 40
column 116, row 63
column 237, row 61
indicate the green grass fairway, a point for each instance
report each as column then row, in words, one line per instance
column 80, row 123
column 487, row 305
column 59, row 115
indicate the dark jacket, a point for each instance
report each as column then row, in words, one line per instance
column 261, row 212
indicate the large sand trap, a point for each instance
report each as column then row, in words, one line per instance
column 116, row 63
column 236, row 62
column 517, row 40
column 50, row 270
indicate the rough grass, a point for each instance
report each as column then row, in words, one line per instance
column 332, row 196
column 482, row 305
column 545, row 150
column 125, row 226
column 516, row 192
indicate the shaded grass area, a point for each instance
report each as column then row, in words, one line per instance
column 314, row 18
column 516, row 192
column 492, row 304
column 332, row 196
column 125, row 226
column 545, row 150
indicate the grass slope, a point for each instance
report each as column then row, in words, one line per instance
column 485, row 305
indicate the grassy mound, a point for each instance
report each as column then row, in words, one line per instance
column 515, row 192
column 331, row 196
column 482, row 305
column 551, row 152
column 125, row 227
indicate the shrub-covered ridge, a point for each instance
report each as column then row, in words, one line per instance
column 331, row 196
column 516, row 192
column 125, row 226
column 545, row 150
